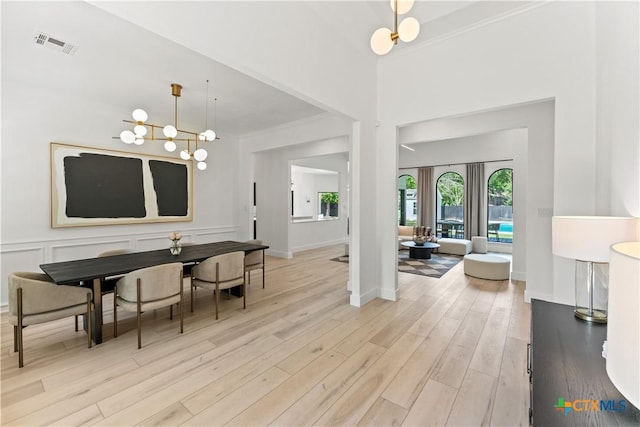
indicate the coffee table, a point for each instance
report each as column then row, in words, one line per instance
column 420, row 251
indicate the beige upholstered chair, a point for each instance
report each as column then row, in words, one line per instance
column 220, row 272
column 33, row 299
column 108, row 283
column 254, row 261
column 148, row 289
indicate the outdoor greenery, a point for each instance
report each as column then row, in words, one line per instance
column 328, row 199
column 501, row 188
column 451, row 189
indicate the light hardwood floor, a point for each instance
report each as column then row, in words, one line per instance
column 450, row 351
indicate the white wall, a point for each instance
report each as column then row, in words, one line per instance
column 618, row 108
column 530, row 56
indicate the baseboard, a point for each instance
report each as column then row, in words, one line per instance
column 317, row 245
column 389, row 294
column 519, row 276
column 279, row 254
column 359, row 301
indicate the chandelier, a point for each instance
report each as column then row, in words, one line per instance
column 170, row 133
column 383, row 39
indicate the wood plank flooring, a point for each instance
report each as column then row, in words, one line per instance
column 450, row 351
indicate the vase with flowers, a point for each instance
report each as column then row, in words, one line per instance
column 175, row 247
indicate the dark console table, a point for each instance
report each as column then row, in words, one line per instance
column 566, row 362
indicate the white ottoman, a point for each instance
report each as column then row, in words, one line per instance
column 454, row 246
column 479, row 245
column 487, row 266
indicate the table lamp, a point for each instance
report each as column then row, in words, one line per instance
column 623, row 328
column 587, row 239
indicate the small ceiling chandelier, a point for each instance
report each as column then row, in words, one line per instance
column 170, row 132
column 383, row 39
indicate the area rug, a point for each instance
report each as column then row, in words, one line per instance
column 435, row 267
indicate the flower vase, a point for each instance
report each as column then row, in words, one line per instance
column 175, row 248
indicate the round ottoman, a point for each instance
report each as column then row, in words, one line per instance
column 489, row 267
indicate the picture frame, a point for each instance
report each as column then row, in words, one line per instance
column 94, row 186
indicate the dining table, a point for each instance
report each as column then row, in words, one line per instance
column 92, row 271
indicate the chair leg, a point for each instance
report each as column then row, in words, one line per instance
column 15, row 338
column 263, row 277
column 171, row 312
column 244, row 294
column 76, row 316
column 181, row 304
column 139, row 312
column 217, row 289
column 192, row 289
column 89, row 322
column 20, row 344
column 115, row 312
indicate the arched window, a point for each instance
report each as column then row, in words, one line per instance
column 407, row 203
column 450, row 205
column 500, row 206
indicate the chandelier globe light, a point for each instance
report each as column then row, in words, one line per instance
column 383, row 39
column 171, row 132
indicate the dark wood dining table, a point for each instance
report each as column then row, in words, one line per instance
column 92, row 270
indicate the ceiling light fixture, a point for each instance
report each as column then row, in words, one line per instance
column 407, row 147
column 170, row 132
column 383, row 39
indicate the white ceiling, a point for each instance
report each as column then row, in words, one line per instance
column 143, row 70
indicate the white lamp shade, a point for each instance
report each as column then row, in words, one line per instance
column 202, row 166
column 404, row 6
column 184, row 155
column 588, row 238
column 408, row 29
column 127, row 137
column 170, row 131
column 140, row 130
column 381, row 42
column 138, row 141
column 170, row 146
column 139, row 115
column 200, row 154
column 623, row 329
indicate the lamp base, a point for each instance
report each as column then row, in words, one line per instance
column 590, row 315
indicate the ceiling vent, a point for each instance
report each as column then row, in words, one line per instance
column 44, row 39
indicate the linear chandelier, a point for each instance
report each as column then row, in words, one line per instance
column 170, row 132
column 383, row 39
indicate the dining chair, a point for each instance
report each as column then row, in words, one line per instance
column 149, row 289
column 34, row 299
column 254, row 260
column 220, row 272
column 108, row 283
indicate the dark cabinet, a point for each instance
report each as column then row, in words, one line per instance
column 568, row 379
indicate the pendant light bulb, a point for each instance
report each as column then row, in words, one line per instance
column 404, row 6
column 170, row 146
column 381, row 42
column 140, row 130
column 408, row 29
column 170, row 131
column 184, row 155
column 127, row 137
column 139, row 115
column 200, row 154
column 202, row 166
column 138, row 141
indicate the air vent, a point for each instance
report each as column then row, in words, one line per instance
column 44, row 39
